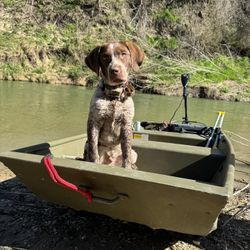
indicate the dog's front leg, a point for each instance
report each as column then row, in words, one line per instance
column 126, row 141
column 93, row 129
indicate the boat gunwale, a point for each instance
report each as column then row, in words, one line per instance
column 166, row 180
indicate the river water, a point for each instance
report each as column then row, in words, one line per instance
column 31, row 113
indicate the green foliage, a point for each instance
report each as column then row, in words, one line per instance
column 47, row 35
column 74, row 73
column 38, row 70
column 10, row 3
column 10, row 70
column 69, row 30
column 222, row 68
column 166, row 15
column 68, row 4
column 9, row 41
column 71, row 3
column 224, row 90
column 247, row 92
column 203, row 71
column 162, row 43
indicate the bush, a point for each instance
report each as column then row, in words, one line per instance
column 74, row 73
column 162, row 43
column 10, row 70
column 166, row 15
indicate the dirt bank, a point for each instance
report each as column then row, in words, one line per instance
column 228, row 91
column 29, row 223
column 47, row 41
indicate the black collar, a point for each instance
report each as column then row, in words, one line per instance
column 113, row 92
column 104, row 85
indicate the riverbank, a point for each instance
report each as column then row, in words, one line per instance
column 227, row 91
column 47, row 42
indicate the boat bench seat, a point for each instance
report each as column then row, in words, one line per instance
column 186, row 161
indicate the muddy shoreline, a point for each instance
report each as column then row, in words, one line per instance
column 227, row 91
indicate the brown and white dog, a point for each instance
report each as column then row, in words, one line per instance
column 111, row 111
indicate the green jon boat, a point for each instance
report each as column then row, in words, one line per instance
column 180, row 186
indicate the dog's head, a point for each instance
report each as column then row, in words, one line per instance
column 114, row 60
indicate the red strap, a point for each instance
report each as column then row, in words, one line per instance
column 60, row 181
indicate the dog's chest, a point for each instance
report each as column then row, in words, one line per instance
column 115, row 111
column 113, row 115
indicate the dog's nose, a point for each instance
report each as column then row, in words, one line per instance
column 115, row 70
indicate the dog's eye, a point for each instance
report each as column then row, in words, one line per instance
column 106, row 57
column 124, row 53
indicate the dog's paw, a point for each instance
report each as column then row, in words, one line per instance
column 131, row 166
column 94, row 160
column 97, row 161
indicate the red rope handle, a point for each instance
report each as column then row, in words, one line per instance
column 60, row 181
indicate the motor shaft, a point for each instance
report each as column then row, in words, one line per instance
column 184, row 81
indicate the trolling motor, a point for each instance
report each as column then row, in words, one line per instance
column 184, row 81
column 186, row 126
column 213, row 134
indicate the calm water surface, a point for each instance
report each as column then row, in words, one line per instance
column 33, row 113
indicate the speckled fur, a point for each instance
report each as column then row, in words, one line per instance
column 109, row 131
column 109, row 127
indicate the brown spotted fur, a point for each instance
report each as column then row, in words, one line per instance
column 109, row 127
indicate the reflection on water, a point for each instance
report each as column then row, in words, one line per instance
column 33, row 113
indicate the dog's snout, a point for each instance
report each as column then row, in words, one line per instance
column 115, row 69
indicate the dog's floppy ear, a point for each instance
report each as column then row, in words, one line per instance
column 137, row 55
column 93, row 60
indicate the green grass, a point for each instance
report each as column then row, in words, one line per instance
column 9, row 41
column 222, row 68
column 74, row 73
column 224, row 90
column 166, row 15
column 210, row 70
column 161, row 42
column 38, row 70
column 10, row 70
column 11, row 3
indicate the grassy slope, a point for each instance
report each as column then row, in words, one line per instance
column 47, row 42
